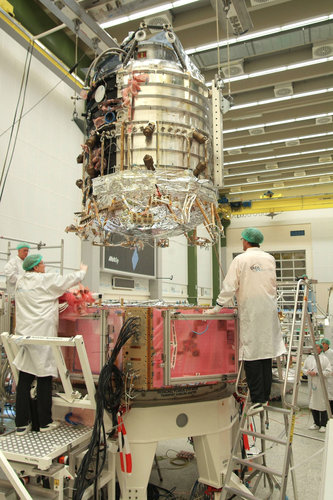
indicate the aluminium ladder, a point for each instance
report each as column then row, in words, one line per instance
column 289, row 414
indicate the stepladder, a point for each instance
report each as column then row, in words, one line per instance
column 252, row 471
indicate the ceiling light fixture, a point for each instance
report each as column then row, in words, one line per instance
column 277, row 141
column 265, row 181
column 260, row 34
column 280, row 99
column 279, row 69
column 274, row 169
column 233, row 190
column 144, row 13
column 278, row 156
column 280, row 122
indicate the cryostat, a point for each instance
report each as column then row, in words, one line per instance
column 178, row 370
column 175, row 355
column 147, row 161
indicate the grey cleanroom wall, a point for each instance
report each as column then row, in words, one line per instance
column 40, row 195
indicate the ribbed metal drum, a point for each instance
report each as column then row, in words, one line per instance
column 147, row 159
column 176, row 104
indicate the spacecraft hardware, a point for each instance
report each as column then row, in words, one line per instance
column 147, row 160
column 149, row 171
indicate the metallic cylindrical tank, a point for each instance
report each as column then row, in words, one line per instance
column 148, row 156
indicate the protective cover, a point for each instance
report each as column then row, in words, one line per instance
column 199, row 348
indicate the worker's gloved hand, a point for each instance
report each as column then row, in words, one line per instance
column 83, row 267
column 211, row 311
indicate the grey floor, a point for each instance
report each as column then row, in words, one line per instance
column 179, row 476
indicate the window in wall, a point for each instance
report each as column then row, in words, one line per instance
column 289, row 264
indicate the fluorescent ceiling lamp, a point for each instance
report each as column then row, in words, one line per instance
column 279, row 69
column 275, row 171
column 146, row 12
column 292, row 186
column 265, row 181
column 277, row 156
column 280, row 122
column 277, row 141
column 260, row 34
column 281, row 99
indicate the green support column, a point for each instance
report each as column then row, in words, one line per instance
column 192, row 274
column 215, row 259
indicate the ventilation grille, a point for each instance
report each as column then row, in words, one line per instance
column 325, row 178
column 159, row 20
column 324, row 159
column 323, row 120
column 283, row 90
column 322, row 50
column 255, row 3
column 257, row 131
column 124, row 283
column 293, row 142
column 235, row 152
column 233, row 69
column 271, row 166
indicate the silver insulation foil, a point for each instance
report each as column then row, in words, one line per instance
column 147, row 159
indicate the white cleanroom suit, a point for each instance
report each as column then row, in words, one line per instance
column 251, row 277
column 317, row 400
column 329, row 355
column 13, row 270
column 37, row 315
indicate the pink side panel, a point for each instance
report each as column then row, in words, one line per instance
column 90, row 329
column 198, row 347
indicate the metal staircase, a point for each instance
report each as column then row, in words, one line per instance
column 276, row 478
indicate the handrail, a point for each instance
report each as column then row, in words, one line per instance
column 292, row 331
column 238, row 379
column 305, row 318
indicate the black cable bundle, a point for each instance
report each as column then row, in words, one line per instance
column 108, row 397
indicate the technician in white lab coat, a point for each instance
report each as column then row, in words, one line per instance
column 329, row 354
column 317, row 403
column 252, row 279
column 13, row 269
column 37, row 314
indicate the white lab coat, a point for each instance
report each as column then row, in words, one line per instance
column 317, row 401
column 13, row 270
column 251, row 277
column 37, row 315
column 329, row 355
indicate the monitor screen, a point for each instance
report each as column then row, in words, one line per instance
column 130, row 261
